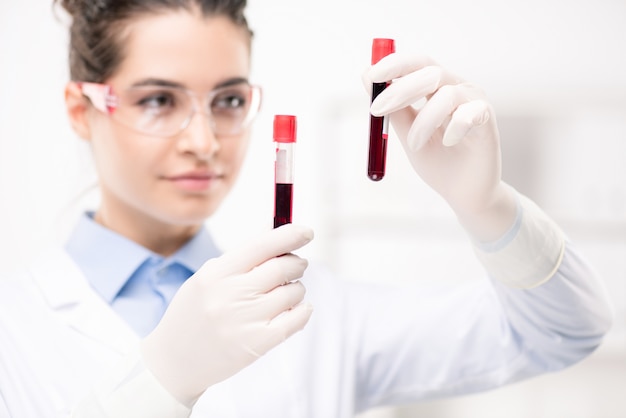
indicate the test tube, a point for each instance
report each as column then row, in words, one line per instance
column 285, row 140
column 379, row 125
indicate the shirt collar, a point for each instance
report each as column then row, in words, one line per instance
column 109, row 259
column 196, row 251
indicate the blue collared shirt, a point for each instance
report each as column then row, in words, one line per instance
column 137, row 283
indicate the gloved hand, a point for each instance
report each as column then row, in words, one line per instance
column 452, row 141
column 232, row 311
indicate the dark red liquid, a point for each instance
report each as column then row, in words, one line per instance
column 378, row 141
column 283, row 198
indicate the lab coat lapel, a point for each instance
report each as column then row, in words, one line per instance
column 69, row 295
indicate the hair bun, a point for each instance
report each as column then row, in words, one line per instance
column 85, row 9
column 71, row 6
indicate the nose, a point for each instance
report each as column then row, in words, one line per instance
column 198, row 138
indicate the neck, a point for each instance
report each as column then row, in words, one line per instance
column 156, row 235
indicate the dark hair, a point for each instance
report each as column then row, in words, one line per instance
column 97, row 29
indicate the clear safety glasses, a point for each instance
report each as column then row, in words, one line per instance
column 166, row 111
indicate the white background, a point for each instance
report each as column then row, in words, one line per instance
column 555, row 72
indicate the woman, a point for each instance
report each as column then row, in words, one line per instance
column 131, row 320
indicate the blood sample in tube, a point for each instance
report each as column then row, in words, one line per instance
column 285, row 140
column 379, row 125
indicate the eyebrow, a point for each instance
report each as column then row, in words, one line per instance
column 157, row 82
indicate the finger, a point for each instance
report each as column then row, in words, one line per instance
column 466, row 117
column 436, row 112
column 288, row 323
column 273, row 243
column 276, row 272
column 281, row 299
column 279, row 329
column 397, row 65
column 409, row 89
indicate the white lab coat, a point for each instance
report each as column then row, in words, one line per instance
column 364, row 346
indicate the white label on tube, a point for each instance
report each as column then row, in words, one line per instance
column 284, row 172
column 385, row 127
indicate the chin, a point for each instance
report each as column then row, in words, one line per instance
column 189, row 211
column 190, row 218
column 186, row 219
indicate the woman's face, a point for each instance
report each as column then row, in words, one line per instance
column 178, row 180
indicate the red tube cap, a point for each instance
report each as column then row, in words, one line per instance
column 284, row 128
column 381, row 47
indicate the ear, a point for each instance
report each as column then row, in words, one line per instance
column 77, row 107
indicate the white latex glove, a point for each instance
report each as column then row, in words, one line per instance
column 452, row 141
column 232, row 311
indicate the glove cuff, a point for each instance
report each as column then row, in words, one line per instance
column 529, row 254
column 130, row 391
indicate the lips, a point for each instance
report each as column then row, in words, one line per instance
column 195, row 181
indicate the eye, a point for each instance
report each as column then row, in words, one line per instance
column 158, row 102
column 228, row 101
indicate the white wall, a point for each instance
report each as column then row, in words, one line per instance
column 554, row 71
